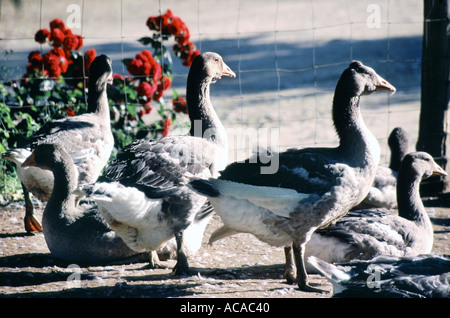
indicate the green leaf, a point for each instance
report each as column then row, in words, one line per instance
column 148, row 40
column 131, row 108
column 126, row 61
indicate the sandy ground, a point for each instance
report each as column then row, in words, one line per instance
column 288, row 56
column 236, row 267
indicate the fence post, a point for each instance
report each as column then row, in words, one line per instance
column 434, row 117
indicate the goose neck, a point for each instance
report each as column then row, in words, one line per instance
column 98, row 99
column 204, row 120
column 65, row 182
column 410, row 204
column 348, row 121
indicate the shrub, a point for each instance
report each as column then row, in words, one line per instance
column 54, row 85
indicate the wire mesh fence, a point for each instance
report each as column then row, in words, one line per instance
column 288, row 56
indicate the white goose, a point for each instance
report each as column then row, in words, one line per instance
column 312, row 188
column 146, row 204
column 364, row 234
column 422, row 276
column 89, row 132
column 75, row 232
column 383, row 191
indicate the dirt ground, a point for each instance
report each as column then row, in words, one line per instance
column 236, row 267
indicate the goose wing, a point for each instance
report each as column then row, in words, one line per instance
column 303, row 170
column 158, row 167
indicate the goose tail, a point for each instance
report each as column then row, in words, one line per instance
column 203, row 187
column 330, row 271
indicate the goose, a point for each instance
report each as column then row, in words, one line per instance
column 312, row 187
column 89, row 132
column 422, row 276
column 383, row 191
column 364, row 234
column 145, row 200
column 75, row 232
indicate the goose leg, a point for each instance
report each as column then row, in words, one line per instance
column 289, row 269
column 302, row 276
column 182, row 266
column 153, row 264
column 31, row 224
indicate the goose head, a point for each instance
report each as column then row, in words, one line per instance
column 365, row 80
column 45, row 156
column 422, row 164
column 100, row 72
column 213, row 67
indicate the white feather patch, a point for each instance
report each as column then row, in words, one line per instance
column 280, row 201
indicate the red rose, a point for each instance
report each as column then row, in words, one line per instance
column 144, row 64
column 52, row 64
column 190, row 58
column 135, row 66
column 57, row 24
column 55, row 62
column 174, row 26
column 166, row 82
column 180, row 105
column 57, row 37
column 42, row 35
column 184, row 35
column 35, row 58
column 148, row 107
column 166, row 125
column 163, row 84
column 70, row 111
column 146, row 89
column 36, row 63
column 70, row 41
column 80, row 42
column 89, row 56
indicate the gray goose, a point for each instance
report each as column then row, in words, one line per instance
column 364, row 234
column 89, row 132
column 383, row 191
column 422, row 276
column 145, row 201
column 75, row 232
column 312, row 188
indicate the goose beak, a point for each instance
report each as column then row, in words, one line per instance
column 384, row 86
column 110, row 78
column 438, row 171
column 227, row 72
column 29, row 162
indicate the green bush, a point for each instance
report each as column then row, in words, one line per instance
column 54, row 86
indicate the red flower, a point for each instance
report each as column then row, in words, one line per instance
column 147, row 109
column 174, row 26
column 80, row 42
column 145, row 89
column 55, row 62
column 36, row 62
column 164, row 84
column 180, row 105
column 183, row 36
column 166, row 125
column 51, row 64
column 89, row 56
column 70, row 41
column 56, row 37
column 145, row 64
column 69, row 110
column 57, row 24
column 135, row 67
column 35, row 58
column 190, row 58
column 42, row 35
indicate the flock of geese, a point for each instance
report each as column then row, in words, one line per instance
column 157, row 191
